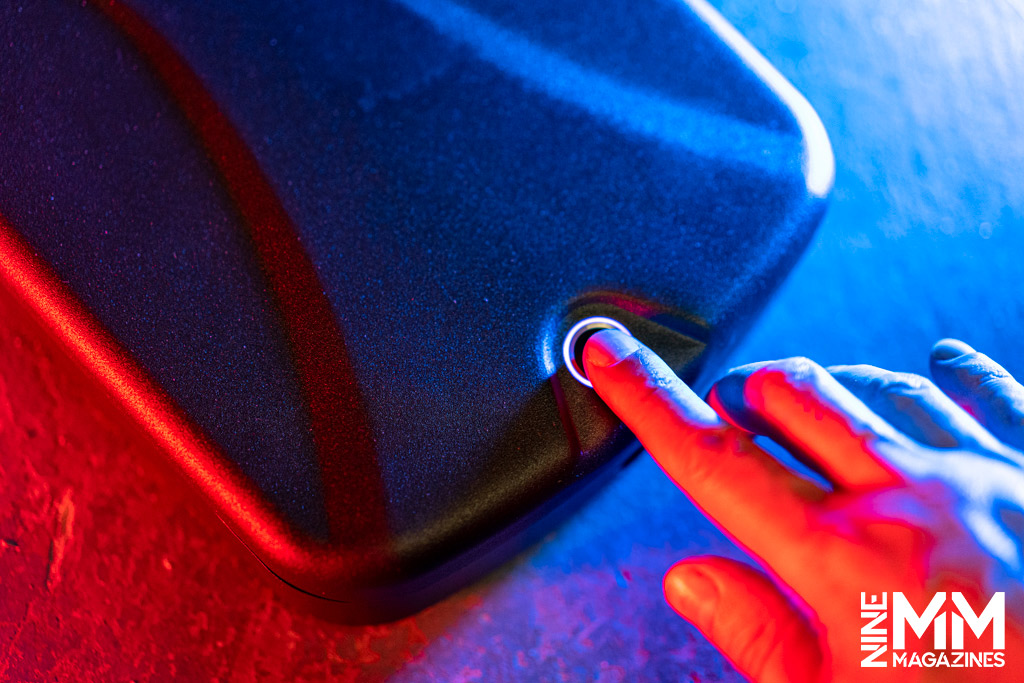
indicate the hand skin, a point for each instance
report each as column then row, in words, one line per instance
column 921, row 497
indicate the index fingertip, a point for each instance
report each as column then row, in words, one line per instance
column 607, row 348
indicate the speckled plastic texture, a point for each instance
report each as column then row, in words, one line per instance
column 466, row 180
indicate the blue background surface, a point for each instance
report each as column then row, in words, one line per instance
column 924, row 103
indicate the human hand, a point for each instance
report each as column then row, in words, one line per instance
column 917, row 496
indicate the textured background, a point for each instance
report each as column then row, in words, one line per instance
column 108, row 573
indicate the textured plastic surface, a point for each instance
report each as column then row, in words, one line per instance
column 327, row 255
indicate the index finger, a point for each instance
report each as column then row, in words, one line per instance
column 735, row 482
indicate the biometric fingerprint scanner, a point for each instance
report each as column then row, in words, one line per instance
column 576, row 338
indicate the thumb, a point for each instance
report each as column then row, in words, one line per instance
column 748, row 618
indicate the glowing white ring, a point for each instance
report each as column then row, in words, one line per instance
column 573, row 335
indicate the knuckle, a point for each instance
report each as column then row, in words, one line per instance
column 806, row 371
column 977, row 369
column 694, row 453
column 763, row 646
column 694, row 450
column 797, row 370
column 866, row 379
column 903, row 384
column 988, row 382
column 994, row 381
column 657, row 405
column 645, row 401
column 860, row 370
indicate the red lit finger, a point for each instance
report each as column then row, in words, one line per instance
column 738, row 485
column 798, row 404
column 751, row 622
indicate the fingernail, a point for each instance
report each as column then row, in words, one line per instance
column 692, row 586
column 609, row 347
column 727, row 394
column 947, row 349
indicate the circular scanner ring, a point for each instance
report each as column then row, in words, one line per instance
column 578, row 335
